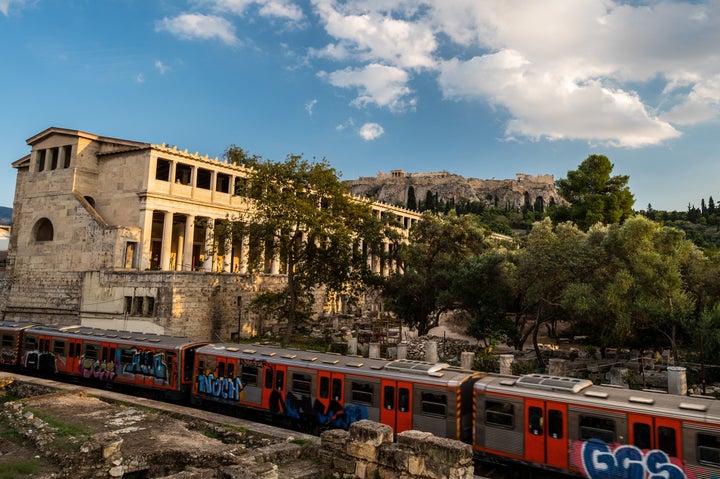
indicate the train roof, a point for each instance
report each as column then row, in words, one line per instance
column 116, row 336
column 15, row 325
column 431, row 373
column 582, row 392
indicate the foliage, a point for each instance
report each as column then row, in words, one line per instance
column 304, row 216
column 437, row 245
column 594, row 195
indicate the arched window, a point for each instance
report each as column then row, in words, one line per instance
column 43, row 230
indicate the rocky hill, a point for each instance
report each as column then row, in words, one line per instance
column 5, row 215
column 447, row 187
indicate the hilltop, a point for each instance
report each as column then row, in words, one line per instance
column 536, row 191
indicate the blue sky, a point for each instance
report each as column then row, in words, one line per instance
column 481, row 88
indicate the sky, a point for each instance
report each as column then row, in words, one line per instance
column 480, row 88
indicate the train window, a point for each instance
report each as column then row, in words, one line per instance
column 555, row 424
column 594, row 427
column 268, row 378
column 324, row 392
column 361, row 392
column 434, row 404
column 221, row 370
column 91, row 351
column 59, row 348
column 535, row 421
column 249, row 376
column 30, row 343
column 112, row 355
column 230, row 370
column 666, row 441
column 8, row 341
column 499, row 414
column 642, row 436
column 708, row 449
column 388, row 397
column 126, row 356
column 71, row 353
column 280, row 380
column 201, row 367
column 301, row 383
column 403, row 400
column 337, row 389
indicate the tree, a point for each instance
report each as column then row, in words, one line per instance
column 304, row 217
column 437, row 245
column 594, row 195
column 411, row 201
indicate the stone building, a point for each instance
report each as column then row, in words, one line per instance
column 118, row 234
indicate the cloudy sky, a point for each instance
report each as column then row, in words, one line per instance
column 481, row 88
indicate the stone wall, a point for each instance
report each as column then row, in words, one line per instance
column 367, row 451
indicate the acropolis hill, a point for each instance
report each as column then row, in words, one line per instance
column 508, row 194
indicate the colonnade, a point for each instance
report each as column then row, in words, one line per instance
column 175, row 241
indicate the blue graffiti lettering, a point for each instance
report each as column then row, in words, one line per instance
column 148, row 363
column 224, row 388
column 626, row 462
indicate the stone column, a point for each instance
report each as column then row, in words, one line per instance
column 402, row 349
column 171, row 175
column 506, row 361
column 146, row 218
column 352, row 347
column 467, row 358
column 677, row 380
column 180, row 249
column 618, row 377
column 227, row 257
column 275, row 262
column 244, row 253
column 208, row 263
column 556, row 367
column 166, row 247
column 431, row 352
column 187, row 250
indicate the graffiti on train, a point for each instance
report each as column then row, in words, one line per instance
column 42, row 361
column 627, row 462
column 96, row 369
column 220, row 387
column 147, row 363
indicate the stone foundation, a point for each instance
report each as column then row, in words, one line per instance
column 367, row 451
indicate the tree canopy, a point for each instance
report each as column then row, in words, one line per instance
column 310, row 223
column 594, row 195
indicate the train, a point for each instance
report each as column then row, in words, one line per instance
column 559, row 424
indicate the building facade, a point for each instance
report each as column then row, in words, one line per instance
column 119, row 234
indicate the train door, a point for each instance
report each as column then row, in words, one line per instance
column 74, row 355
column 546, row 439
column 273, row 390
column 330, row 394
column 396, row 409
column 106, row 369
column 648, row 432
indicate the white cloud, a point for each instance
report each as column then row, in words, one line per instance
column 267, row 8
column 5, row 5
column 161, row 67
column 371, row 131
column 140, row 78
column 374, row 36
column 195, row 25
column 381, row 85
column 309, row 106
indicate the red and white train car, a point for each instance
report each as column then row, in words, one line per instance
column 600, row 432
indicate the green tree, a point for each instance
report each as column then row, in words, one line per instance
column 436, row 246
column 306, row 218
column 594, row 195
column 411, row 201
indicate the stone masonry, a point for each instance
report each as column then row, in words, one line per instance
column 367, row 451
